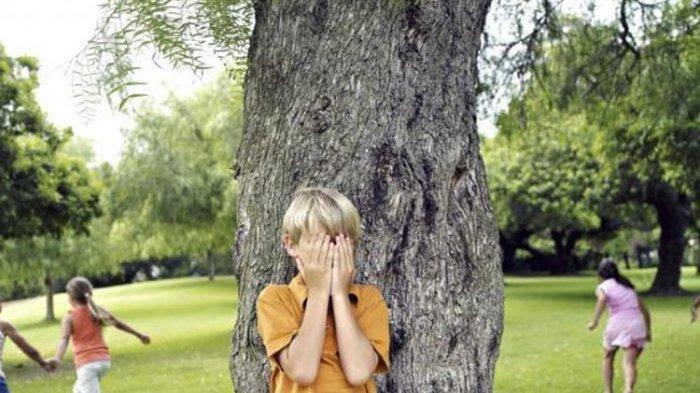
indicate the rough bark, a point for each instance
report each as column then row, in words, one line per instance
column 673, row 213
column 48, row 287
column 376, row 99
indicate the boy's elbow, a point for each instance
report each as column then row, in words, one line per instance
column 303, row 374
column 358, row 380
column 304, row 377
column 357, row 377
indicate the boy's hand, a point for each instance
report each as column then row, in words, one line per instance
column 343, row 266
column 592, row 325
column 315, row 267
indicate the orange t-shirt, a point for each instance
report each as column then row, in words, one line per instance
column 280, row 310
column 86, row 334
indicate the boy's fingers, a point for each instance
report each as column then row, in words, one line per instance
column 317, row 249
column 334, row 256
column 348, row 252
column 325, row 249
column 344, row 250
column 339, row 252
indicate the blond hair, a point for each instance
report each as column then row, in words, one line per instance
column 329, row 208
column 80, row 290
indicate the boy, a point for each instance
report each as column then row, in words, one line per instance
column 322, row 332
column 7, row 330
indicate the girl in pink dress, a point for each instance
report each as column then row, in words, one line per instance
column 629, row 323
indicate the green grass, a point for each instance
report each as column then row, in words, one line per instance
column 547, row 348
column 189, row 320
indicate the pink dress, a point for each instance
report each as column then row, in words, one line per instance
column 626, row 325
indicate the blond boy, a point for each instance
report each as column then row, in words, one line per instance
column 322, row 332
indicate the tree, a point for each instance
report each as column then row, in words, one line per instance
column 45, row 193
column 545, row 179
column 377, row 99
column 654, row 136
column 42, row 191
column 172, row 192
column 394, row 130
column 636, row 77
column 50, row 259
column 647, row 114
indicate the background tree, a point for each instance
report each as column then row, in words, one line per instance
column 377, row 99
column 172, row 193
column 643, row 100
column 51, row 259
column 41, row 190
column 45, row 193
column 544, row 175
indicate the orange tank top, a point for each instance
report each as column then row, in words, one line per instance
column 86, row 334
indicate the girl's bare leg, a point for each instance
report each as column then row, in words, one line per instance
column 608, row 369
column 630, row 364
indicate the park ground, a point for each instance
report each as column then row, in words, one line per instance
column 545, row 348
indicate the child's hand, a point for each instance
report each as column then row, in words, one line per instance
column 343, row 266
column 315, row 268
column 52, row 365
column 693, row 314
column 592, row 325
column 648, row 337
column 46, row 366
column 145, row 339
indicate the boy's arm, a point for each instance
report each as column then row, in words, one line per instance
column 117, row 323
column 296, row 346
column 301, row 359
column 10, row 331
column 357, row 355
column 599, row 307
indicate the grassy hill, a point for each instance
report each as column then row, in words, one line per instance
column 545, row 347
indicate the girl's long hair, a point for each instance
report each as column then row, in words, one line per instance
column 80, row 290
column 608, row 269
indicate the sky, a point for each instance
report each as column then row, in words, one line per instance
column 55, row 31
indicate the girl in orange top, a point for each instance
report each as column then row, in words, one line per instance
column 84, row 325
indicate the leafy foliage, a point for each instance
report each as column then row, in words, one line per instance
column 173, row 192
column 43, row 191
column 584, row 140
column 185, row 33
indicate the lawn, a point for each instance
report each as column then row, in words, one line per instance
column 545, row 348
column 189, row 320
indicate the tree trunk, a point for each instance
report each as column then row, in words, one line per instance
column 376, row 99
column 48, row 286
column 673, row 212
column 510, row 243
column 564, row 246
column 212, row 266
